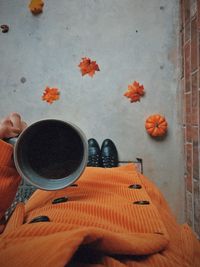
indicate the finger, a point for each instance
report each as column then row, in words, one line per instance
column 23, row 125
column 14, row 132
column 6, row 121
column 16, row 120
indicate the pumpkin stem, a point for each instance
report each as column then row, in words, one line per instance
column 156, row 124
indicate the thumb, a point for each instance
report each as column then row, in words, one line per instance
column 14, row 131
column 24, row 125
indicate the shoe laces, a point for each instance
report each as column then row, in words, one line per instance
column 93, row 161
column 108, row 161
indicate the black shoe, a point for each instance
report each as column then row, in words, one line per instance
column 109, row 155
column 94, row 153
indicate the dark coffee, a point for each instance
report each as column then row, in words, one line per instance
column 53, row 150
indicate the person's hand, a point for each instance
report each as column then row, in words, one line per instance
column 11, row 126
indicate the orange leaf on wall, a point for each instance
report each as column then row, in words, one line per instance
column 134, row 92
column 36, row 6
column 50, row 95
column 87, row 66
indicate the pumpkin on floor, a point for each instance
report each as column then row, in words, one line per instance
column 36, row 6
column 156, row 125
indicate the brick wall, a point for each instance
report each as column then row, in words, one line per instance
column 190, row 81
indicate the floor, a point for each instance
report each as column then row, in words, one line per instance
column 130, row 40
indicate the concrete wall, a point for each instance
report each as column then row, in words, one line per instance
column 130, row 40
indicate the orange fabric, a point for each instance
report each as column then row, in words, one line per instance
column 98, row 226
column 9, row 178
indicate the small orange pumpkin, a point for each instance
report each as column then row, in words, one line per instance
column 36, row 6
column 156, row 125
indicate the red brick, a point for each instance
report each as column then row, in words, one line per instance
column 193, row 7
column 183, row 101
column 195, row 136
column 186, row 10
column 185, row 207
column 196, row 207
column 187, row 32
column 185, row 164
column 198, row 14
column 194, row 53
column 187, row 67
column 188, row 133
column 189, row 209
column 184, row 134
column 199, row 76
column 199, row 48
column 184, row 151
column 195, row 152
column 189, row 166
column 182, row 54
column 199, row 112
column 184, row 140
column 194, row 109
column 188, row 103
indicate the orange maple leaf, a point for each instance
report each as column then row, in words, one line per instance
column 36, row 6
column 88, row 67
column 50, row 95
column 134, row 92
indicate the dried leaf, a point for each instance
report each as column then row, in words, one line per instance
column 36, row 6
column 50, row 95
column 134, row 92
column 5, row 28
column 88, row 67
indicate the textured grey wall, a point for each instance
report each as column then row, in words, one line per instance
column 130, row 40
